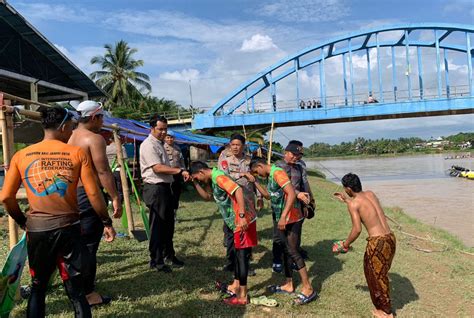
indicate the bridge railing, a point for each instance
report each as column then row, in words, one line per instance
column 339, row 101
column 180, row 114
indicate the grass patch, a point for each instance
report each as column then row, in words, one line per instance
column 423, row 284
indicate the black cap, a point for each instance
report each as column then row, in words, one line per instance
column 238, row 137
column 294, row 149
column 296, row 142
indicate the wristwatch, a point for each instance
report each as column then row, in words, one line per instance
column 241, row 215
column 107, row 222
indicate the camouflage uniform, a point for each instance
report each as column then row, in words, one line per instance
column 174, row 155
column 176, row 160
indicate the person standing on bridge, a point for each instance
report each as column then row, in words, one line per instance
column 235, row 163
column 157, row 175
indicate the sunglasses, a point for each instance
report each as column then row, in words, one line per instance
column 69, row 115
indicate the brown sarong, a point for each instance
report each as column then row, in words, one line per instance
column 377, row 261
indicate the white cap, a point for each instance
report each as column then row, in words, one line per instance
column 90, row 108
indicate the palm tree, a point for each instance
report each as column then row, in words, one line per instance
column 118, row 77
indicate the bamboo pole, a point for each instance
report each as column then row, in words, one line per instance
column 7, row 146
column 123, row 178
column 269, row 154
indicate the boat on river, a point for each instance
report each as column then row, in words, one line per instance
column 457, row 171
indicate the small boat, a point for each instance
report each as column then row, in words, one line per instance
column 457, row 171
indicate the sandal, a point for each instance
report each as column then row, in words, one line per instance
column 276, row 289
column 263, row 301
column 234, row 301
column 302, row 299
column 223, row 288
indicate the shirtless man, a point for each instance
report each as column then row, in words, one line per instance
column 86, row 136
column 364, row 207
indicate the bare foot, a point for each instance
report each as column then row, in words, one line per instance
column 307, row 291
column 288, row 287
column 380, row 313
column 234, row 287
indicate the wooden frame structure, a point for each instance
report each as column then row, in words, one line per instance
column 6, row 124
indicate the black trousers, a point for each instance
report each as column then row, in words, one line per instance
column 158, row 199
column 229, row 244
column 91, row 235
column 176, row 188
column 278, row 244
column 290, row 237
column 241, row 269
column 56, row 248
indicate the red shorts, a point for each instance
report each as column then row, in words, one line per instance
column 248, row 238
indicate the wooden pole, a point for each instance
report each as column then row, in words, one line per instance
column 7, row 146
column 269, row 154
column 123, row 178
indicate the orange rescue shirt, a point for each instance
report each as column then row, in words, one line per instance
column 50, row 171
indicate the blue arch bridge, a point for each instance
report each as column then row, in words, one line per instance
column 398, row 71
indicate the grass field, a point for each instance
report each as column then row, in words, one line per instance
column 436, row 284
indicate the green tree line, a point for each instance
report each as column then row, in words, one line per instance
column 362, row 146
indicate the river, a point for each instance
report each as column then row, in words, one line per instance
column 418, row 185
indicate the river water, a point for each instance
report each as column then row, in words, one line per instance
column 417, row 184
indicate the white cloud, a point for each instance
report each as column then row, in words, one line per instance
column 305, row 10
column 55, row 12
column 459, row 7
column 184, row 75
column 180, row 26
column 257, row 42
column 62, row 49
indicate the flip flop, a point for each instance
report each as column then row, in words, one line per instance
column 105, row 301
column 263, row 301
column 302, row 299
column 276, row 289
column 223, row 288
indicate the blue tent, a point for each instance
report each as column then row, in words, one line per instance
column 181, row 137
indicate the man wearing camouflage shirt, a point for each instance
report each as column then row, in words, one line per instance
column 176, row 161
column 235, row 163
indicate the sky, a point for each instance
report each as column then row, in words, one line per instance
column 214, row 46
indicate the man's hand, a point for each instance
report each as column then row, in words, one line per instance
column 186, row 175
column 109, row 233
column 242, row 224
column 340, row 196
column 304, row 197
column 281, row 224
column 117, row 205
column 338, row 247
column 249, row 177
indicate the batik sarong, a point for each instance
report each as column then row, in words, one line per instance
column 377, row 261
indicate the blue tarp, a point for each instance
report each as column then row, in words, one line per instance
column 181, row 137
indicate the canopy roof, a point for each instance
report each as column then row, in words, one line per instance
column 27, row 57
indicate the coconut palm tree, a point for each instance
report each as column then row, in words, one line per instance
column 118, row 77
